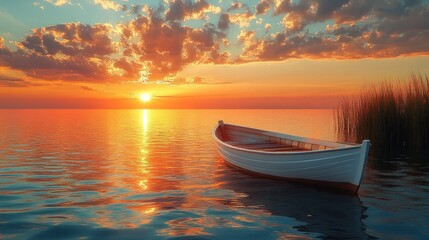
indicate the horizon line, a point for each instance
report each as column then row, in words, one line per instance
column 152, row 108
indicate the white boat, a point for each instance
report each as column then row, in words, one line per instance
column 276, row 155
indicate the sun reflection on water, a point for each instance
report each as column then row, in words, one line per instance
column 145, row 120
column 144, row 163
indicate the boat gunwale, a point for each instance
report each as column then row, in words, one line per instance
column 346, row 146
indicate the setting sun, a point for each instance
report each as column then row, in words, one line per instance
column 137, row 117
column 145, row 97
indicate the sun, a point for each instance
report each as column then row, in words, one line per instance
column 145, row 97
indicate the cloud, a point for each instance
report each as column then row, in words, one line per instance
column 360, row 29
column 109, row 5
column 240, row 14
column 105, row 4
column 164, row 49
column 11, row 81
column 63, row 52
column 155, row 44
column 8, row 81
column 58, row 2
column 267, row 26
column 224, row 21
column 263, row 6
column 86, row 88
column 235, row 6
column 180, row 10
column 146, row 48
column 39, row 5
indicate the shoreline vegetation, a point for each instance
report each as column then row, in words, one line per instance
column 394, row 115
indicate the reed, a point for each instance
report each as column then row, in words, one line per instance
column 394, row 115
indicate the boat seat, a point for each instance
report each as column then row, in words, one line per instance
column 277, row 147
column 244, row 144
column 282, row 148
column 262, row 144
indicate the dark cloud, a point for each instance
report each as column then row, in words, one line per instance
column 224, row 21
column 362, row 28
column 50, row 67
column 415, row 19
column 128, row 66
column 179, row 9
column 281, row 47
column 86, row 88
column 8, row 81
column 176, row 11
column 263, row 6
column 326, row 8
column 354, row 11
column 300, row 7
column 349, row 31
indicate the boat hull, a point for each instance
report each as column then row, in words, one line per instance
column 339, row 168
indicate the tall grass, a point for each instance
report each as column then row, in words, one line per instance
column 393, row 115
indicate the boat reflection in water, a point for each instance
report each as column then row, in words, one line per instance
column 329, row 215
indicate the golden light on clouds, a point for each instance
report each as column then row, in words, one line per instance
column 204, row 53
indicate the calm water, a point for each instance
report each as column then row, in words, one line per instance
column 155, row 174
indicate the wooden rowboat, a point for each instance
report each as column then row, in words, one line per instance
column 276, row 155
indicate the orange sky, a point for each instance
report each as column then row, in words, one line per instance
column 205, row 54
column 286, row 84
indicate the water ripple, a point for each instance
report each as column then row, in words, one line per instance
column 155, row 174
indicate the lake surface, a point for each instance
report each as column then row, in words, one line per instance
column 155, row 174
